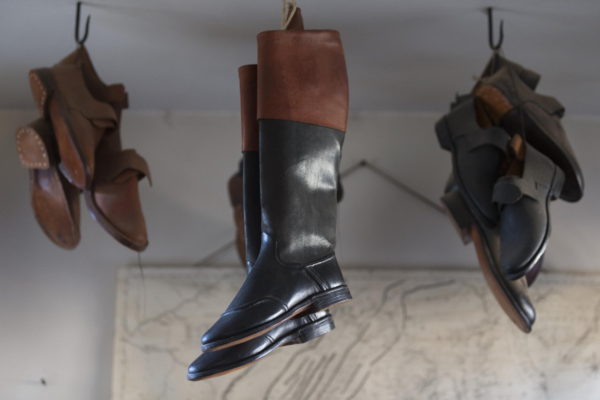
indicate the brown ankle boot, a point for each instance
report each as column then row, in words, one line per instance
column 113, row 198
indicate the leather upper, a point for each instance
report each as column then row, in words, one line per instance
column 525, row 218
column 523, row 110
column 477, row 157
column 271, row 290
column 299, row 188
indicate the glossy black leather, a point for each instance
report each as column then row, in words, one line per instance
column 251, row 202
column 299, row 165
column 525, row 217
column 294, row 331
column 515, row 292
column 477, row 156
column 537, row 117
column 296, row 270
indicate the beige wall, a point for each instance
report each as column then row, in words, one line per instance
column 57, row 307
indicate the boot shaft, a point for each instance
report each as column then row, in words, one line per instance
column 302, row 112
column 250, row 162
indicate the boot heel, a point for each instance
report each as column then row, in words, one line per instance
column 443, row 134
column 34, row 145
column 314, row 330
column 459, row 214
column 41, row 89
column 330, row 298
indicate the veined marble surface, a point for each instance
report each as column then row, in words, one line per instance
column 406, row 335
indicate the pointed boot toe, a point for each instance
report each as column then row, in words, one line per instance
column 274, row 293
column 526, row 312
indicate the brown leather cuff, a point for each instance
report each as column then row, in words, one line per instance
column 302, row 77
column 247, row 75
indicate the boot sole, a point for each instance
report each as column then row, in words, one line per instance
column 301, row 335
column 459, row 214
column 48, row 212
column 32, row 149
column 318, row 302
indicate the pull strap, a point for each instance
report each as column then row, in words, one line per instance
column 126, row 160
column 463, row 126
column 511, row 189
column 536, row 180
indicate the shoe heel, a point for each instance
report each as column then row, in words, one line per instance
column 330, row 298
column 443, row 134
column 459, row 214
column 315, row 330
column 39, row 81
column 34, row 146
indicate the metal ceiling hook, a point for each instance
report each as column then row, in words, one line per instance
column 78, row 39
column 498, row 45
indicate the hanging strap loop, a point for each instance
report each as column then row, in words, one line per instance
column 288, row 12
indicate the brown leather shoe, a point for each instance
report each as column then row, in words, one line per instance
column 55, row 202
column 113, row 197
column 79, row 119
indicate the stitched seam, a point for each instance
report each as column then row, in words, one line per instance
column 261, row 301
column 21, row 153
column 40, row 88
column 298, row 264
column 316, row 278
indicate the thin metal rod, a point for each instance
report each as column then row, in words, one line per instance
column 344, row 174
column 404, row 187
column 213, row 254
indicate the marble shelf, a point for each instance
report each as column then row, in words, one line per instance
column 406, row 335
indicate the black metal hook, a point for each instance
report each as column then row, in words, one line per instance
column 498, row 45
column 82, row 40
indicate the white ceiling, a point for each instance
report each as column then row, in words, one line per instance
column 409, row 55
